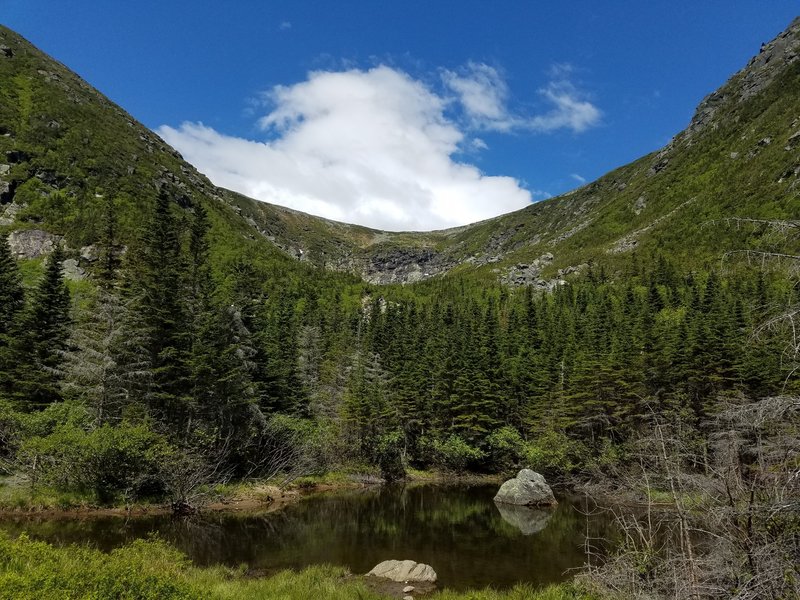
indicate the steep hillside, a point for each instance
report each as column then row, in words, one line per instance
column 66, row 147
column 65, row 150
column 739, row 157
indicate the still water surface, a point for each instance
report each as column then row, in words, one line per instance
column 458, row 530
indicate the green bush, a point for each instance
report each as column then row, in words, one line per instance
column 505, row 449
column 107, row 461
column 609, row 457
column 44, row 422
column 554, row 452
column 454, row 454
column 389, row 454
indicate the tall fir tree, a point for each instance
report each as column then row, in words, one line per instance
column 156, row 283
column 43, row 336
column 12, row 301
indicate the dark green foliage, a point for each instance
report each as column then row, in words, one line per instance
column 156, row 284
column 492, row 370
column 109, row 256
column 11, row 303
column 390, row 456
column 42, row 338
column 108, row 461
column 11, row 293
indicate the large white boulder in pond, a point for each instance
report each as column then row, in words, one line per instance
column 528, row 488
column 404, row 570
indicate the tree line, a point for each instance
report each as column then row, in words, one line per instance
column 229, row 365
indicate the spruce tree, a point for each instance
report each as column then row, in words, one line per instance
column 109, row 257
column 93, row 366
column 156, row 283
column 43, row 338
column 12, row 300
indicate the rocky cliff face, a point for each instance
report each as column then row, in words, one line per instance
column 759, row 73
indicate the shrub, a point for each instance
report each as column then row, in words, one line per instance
column 554, row 452
column 454, row 454
column 389, row 454
column 44, row 422
column 106, row 461
column 505, row 448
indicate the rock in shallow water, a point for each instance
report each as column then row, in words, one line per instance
column 528, row 488
column 404, row 570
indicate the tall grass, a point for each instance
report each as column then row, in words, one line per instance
column 153, row 570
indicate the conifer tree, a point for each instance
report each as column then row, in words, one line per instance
column 44, row 332
column 156, row 282
column 12, row 300
column 109, row 257
column 92, row 368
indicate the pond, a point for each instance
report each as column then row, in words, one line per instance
column 469, row 540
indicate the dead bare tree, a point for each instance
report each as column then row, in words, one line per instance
column 279, row 453
column 190, row 476
column 727, row 521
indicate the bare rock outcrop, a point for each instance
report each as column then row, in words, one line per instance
column 32, row 243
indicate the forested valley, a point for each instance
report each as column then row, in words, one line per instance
column 162, row 358
column 167, row 345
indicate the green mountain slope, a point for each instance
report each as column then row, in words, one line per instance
column 64, row 147
column 739, row 157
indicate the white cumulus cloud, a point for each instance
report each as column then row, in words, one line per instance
column 483, row 93
column 374, row 147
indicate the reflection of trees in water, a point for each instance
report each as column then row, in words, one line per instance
column 457, row 530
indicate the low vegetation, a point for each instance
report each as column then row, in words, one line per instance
column 152, row 570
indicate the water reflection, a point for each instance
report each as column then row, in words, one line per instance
column 527, row 520
column 469, row 541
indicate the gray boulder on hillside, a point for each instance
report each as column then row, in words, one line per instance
column 32, row 243
column 528, row 488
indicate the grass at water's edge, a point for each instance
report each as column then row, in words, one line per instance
column 151, row 569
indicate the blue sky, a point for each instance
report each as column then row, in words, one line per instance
column 405, row 115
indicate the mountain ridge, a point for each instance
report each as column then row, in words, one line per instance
column 66, row 145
